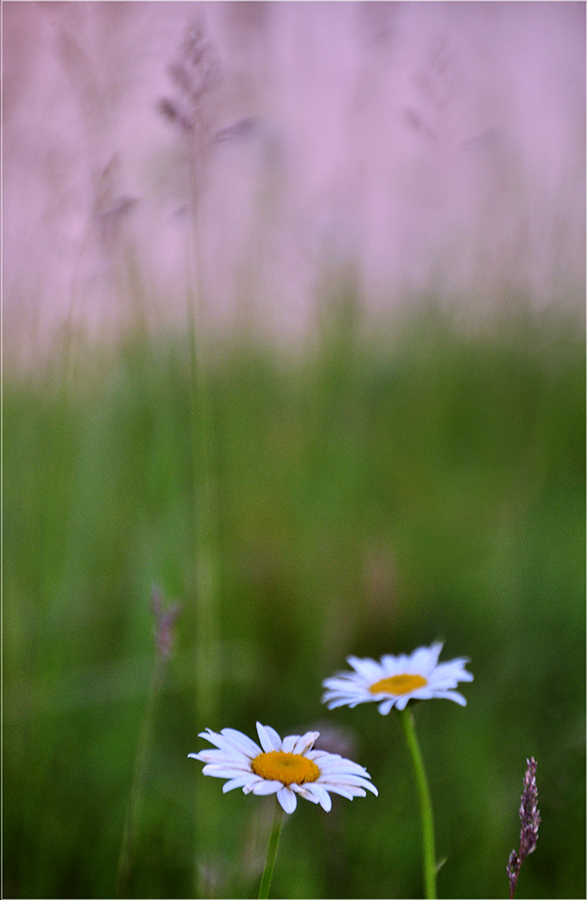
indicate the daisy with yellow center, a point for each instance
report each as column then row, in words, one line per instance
column 290, row 768
column 395, row 680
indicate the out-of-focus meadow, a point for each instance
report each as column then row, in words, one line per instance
column 328, row 397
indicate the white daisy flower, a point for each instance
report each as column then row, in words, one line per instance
column 395, row 680
column 288, row 768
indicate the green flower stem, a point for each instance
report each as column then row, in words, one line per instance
column 407, row 721
column 271, row 852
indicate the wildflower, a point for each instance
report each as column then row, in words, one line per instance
column 530, row 818
column 288, row 768
column 396, row 680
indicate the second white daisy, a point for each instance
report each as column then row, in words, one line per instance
column 395, row 680
column 288, row 768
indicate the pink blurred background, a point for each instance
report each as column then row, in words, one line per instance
column 423, row 146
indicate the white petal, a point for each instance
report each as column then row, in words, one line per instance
column 367, row 668
column 332, row 762
column 402, row 702
column 424, row 659
column 289, row 743
column 351, row 690
column 333, row 702
column 305, row 742
column 287, row 799
column 452, row 672
column 242, row 741
column 241, row 781
column 269, row 738
column 303, row 790
column 354, row 784
column 454, row 695
column 263, row 787
column 343, row 791
column 226, row 771
column 347, row 781
column 393, row 665
column 222, row 756
column 318, row 794
column 234, row 743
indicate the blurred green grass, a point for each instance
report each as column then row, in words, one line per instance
column 376, row 492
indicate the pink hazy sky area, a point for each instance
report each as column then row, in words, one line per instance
column 426, row 145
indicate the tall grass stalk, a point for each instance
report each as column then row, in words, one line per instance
column 164, row 620
column 195, row 74
column 205, row 513
column 205, row 524
column 129, row 836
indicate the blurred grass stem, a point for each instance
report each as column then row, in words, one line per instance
column 271, row 852
column 407, row 721
column 130, row 826
column 205, row 551
column 194, row 77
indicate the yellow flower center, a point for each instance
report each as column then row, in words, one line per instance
column 398, row 684
column 289, row 768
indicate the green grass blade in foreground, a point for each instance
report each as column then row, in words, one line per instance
column 125, row 860
column 165, row 620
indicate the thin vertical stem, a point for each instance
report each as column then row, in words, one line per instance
column 271, row 852
column 205, row 549
column 206, row 663
column 407, row 721
column 141, row 759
